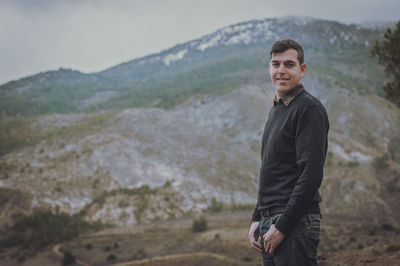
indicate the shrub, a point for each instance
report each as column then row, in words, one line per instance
column 140, row 254
column 45, row 227
column 393, row 248
column 392, row 185
column 123, row 203
column 124, row 215
column 246, row 259
column 391, row 188
column 111, row 257
column 101, row 199
column 215, row 206
column 14, row 254
column 242, row 207
column 68, row 258
column 353, row 163
column 388, row 227
column 381, row 162
column 200, row 224
column 89, row 246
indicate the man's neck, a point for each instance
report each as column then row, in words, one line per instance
column 280, row 95
column 286, row 98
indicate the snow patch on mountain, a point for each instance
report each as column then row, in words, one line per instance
column 236, row 34
column 150, row 60
column 212, row 42
column 243, row 37
column 168, row 59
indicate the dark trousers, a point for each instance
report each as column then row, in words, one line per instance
column 299, row 247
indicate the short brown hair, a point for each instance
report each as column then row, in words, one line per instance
column 286, row 44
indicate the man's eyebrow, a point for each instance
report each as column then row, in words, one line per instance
column 283, row 61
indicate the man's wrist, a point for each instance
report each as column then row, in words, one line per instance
column 284, row 224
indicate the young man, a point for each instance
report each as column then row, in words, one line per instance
column 286, row 221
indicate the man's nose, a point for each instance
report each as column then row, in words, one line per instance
column 281, row 68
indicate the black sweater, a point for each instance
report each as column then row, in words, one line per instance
column 293, row 153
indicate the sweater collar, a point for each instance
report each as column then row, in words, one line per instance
column 288, row 97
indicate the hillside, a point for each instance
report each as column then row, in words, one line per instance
column 207, row 147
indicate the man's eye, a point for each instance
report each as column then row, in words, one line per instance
column 275, row 65
column 290, row 65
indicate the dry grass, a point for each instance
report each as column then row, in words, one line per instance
column 190, row 259
column 224, row 243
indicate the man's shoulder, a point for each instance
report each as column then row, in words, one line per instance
column 308, row 106
column 306, row 100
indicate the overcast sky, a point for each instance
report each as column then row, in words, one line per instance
column 42, row 35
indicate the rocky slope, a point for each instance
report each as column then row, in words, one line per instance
column 204, row 148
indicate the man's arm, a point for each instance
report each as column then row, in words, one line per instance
column 311, row 146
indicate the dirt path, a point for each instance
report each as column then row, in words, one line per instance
column 160, row 259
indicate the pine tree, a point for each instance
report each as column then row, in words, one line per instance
column 388, row 53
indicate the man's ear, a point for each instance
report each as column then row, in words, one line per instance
column 269, row 67
column 303, row 69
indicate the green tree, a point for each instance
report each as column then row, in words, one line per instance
column 388, row 53
column 200, row 224
column 215, row 206
column 381, row 162
column 111, row 257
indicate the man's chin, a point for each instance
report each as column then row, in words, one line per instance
column 282, row 89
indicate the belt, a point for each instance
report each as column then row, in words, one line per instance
column 272, row 211
column 276, row 210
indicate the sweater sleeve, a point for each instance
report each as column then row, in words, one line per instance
column 311, row 145
column 256, row 215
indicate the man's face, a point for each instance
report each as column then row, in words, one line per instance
column 285, row 71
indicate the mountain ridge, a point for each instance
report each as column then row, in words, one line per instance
column 232, row 49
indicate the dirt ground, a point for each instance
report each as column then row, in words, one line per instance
column 223, row 243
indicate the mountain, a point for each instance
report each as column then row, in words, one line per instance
column 217, row 62
column 173, row 133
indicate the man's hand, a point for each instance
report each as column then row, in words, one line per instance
column 254, row 235
column 272, row 239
